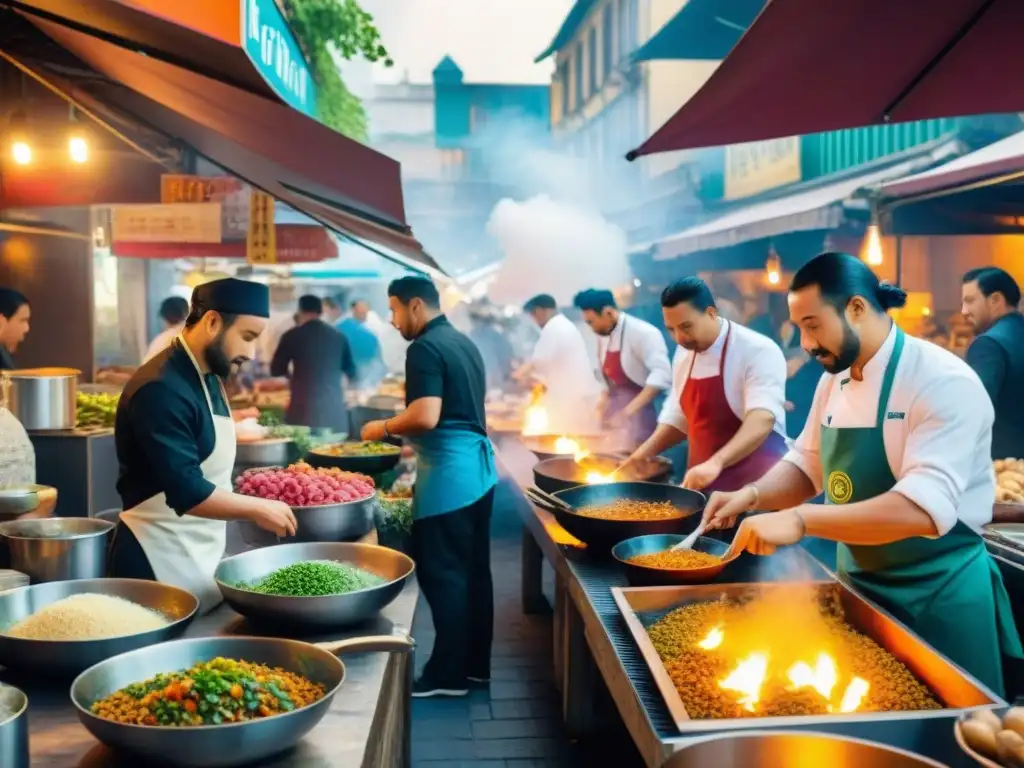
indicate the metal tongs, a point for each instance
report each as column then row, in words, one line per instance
column 547, row 501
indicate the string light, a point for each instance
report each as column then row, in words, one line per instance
column 773, row 268
column 21, row 153
column 874, row 255
column 78, row 149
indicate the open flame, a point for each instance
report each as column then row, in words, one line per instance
column 567, row 446
column 750, row 674
column 535, row 420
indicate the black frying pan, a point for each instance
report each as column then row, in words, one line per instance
column 605, row 534
column 543, row 446
column 560, row 474
column 367, row 464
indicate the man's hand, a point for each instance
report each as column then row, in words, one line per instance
column 723, row 508
column 761, row 534
column 373, row 431
column 274, row 516
column 700, row 477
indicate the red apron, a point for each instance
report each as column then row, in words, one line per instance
column 622, row 390
column 711, row 424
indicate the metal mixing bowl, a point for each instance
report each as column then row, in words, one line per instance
column 645, row 576
column 348, row 521
column 13, row 727
column 326, row 611
column 18, row 500
column 58, row 548
column 219, row 746
column 69, row 657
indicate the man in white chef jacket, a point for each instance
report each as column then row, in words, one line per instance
column 561, row 363
column 727, row 398
column 632, row 360
column 898, row 438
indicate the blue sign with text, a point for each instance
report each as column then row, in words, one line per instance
column 271, row 47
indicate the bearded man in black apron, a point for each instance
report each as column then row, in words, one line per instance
column 633, row 360
column 175, row 444
column 898, row 438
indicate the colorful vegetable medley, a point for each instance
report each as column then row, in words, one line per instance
column 210, row 693
column 314, row 578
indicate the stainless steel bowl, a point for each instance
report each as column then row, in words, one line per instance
column 13, row 727
column 327, row 611
column 348, row 521
column 58, row 548
column 219, row 746
column 69, row 657
column 271, row 451
column 42, row 399
column 793, row 749
column 19, row 500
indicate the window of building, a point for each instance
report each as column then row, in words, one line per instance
column 563, row 78
column 578, row 67
column 592, row 62
column 627, row 27
column 607, row 41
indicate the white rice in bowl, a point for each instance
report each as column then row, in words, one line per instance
column 88, row 616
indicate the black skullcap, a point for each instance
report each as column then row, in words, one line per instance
column 233, row 297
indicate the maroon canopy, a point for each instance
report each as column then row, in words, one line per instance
column 807, row 66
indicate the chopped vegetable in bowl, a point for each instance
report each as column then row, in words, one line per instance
column 215, row 692
column 313, row 578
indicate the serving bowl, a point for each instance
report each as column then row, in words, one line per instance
column 326, row 611
column 367, row 464
column 645, row 576
column 69, row 657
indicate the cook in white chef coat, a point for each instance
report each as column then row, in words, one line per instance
column 561, row 363
column 728, row 394
column 632, row 360
column 898, row 438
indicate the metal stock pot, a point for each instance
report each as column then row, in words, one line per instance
column 41, row 398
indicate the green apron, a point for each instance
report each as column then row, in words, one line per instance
column 947, row 590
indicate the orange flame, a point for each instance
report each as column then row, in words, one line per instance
column 854, row 695
column 822, row 678
column 535, row 421
column 747, row 679
column 713, row 640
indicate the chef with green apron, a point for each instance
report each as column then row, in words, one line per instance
column 898, row 439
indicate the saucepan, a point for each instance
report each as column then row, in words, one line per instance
column 604, row 534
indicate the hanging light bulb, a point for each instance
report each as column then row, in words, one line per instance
column 21, row 153
column 873, row 253
column 78, row 149
column 773, row 268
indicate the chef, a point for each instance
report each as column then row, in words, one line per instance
column 175, row 442
column 728, row 394
column 898, row 439
column 633, row 361
column 561, row 363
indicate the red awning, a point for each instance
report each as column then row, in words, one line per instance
column 807, row 66
column 340, row 182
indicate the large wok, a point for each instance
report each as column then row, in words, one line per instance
column 364, row 463
column 219, row 746
column 543, row 446
column 604, row 534
column 562, row 473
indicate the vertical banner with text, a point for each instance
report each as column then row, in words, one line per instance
column 261, row 241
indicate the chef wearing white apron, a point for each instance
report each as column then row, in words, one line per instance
column 175, row 443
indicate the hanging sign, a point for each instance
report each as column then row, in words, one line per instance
column 272, row 48
column 761, row 165
column 178, row 223
column 231, row 193
column 261, row 243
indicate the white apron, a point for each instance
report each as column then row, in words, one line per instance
column 184, row 550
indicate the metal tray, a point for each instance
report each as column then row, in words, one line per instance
column 958, row 691
column 1008, row 534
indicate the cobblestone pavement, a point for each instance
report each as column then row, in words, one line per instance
column 517, row 723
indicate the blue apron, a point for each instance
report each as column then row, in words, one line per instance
column 454, row 468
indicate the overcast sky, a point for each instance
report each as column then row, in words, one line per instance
column 494, row 41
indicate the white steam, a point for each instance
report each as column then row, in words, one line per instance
column 554, row 247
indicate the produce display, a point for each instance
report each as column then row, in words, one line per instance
column 365, row 448
column 675, row 560
column 397, row 511
column 96, row 411
column 215, row 692
column 629, row 509
column 88, row 616
column 784, row 656
column 1009, row 480
column 313, row 578
column 998, row 738
column 300, row 485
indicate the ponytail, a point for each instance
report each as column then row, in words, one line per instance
column 890, row 296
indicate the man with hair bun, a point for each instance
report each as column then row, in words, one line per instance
column 898, row 439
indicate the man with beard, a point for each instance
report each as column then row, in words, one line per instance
column 633, row 361
column 444, row 421
column 898, row 439
column 728, row 394
column 175, row 443
column 991, row 298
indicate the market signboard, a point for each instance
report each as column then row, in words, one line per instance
column 261, row 244
column 231, row 193
column 761, row 165
column 272, row 48
column 177, row 223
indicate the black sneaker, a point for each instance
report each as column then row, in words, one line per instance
column 478, row 682
column 425, row 689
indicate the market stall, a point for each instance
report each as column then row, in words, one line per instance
column 605, row 663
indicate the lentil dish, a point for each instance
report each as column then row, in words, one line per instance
column 215, row 692
column 696, row 672
column 675, row 560
column 626, row 510
column 358, row 449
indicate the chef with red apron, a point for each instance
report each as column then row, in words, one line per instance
column 634, row 364
column 728, row 394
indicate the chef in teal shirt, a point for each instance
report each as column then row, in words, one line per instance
column 898, row 439
column 444, row 421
